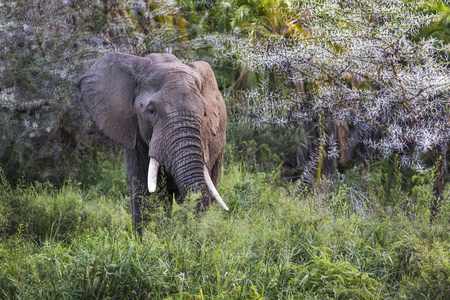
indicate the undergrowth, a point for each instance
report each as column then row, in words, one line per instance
column 348, row 241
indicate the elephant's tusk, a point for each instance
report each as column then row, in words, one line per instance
column 213, row 191
column 153, row 168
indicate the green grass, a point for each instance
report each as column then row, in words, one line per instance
column 277, row 242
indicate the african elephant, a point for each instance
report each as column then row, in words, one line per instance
column 165, row 114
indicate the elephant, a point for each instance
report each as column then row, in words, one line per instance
column 168, row 116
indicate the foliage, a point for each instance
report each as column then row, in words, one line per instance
column 360, row 65
column 38, row 69
column 363, row 234
column 431, row 263
column 103, row 174
column 440, row 29
column 260, row 150
column 38, row 211
column 46, row 45
column 263, row 18
column 276, row 243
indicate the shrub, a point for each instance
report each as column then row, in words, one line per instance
column 275, row 243
column 428, row 269
column 41, row 211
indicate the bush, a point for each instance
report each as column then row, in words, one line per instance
column 259, row 149
column 428, row 265
column 275, row 243
column 105, row 173
column 334, row 280
column 41, row 211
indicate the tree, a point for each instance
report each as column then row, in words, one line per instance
column 40, row 59
column 440, row 29
column 46, row 46
column 360, row 65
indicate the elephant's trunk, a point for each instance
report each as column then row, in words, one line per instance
column 185, row 164
column 182, row 157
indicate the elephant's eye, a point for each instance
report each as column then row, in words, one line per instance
column 151, row 110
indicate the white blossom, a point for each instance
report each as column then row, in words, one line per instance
column 364, row 66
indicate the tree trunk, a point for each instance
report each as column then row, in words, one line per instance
column 437, row 156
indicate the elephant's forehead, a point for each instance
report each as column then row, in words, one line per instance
column 163, row 58
column 161, row 74
column 176, row 71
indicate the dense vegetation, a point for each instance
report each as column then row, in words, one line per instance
column 361, row 238
column 335, row 167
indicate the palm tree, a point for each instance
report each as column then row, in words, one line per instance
column 441, row 29
column 265, row 18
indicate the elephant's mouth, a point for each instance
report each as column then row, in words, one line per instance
column 153, row 176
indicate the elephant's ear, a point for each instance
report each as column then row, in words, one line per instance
column 215, row 109
column 107, row 92
column 213, row 125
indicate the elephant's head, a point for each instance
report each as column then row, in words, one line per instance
column 176, row 109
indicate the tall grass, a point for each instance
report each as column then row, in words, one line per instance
column 277, row 242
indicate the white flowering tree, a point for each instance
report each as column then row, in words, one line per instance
column 359, row 62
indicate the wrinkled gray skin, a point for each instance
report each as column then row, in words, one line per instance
column 157, row 107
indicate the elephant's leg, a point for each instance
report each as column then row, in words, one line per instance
column 216, row 171
column 136, row 164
